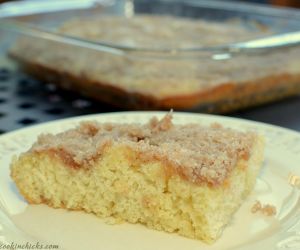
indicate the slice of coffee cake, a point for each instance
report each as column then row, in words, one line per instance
column 188, row 179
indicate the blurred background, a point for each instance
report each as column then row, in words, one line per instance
column 26, row 100
column 288, row 3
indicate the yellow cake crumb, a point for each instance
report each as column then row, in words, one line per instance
column 294, row 180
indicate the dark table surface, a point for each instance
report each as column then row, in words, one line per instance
column 25, row 101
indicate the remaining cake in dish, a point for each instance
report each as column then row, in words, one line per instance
column 152, row 79
column 189, row 179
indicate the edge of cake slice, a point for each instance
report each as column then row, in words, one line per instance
column 189, row 179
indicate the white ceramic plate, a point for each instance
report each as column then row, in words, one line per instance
column 39, row 224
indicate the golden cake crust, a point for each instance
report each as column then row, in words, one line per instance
column 222, row 98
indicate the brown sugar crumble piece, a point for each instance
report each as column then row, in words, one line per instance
column 267, row 209
column 256, row 207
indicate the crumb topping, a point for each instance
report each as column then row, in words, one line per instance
column 267, row 209
column 294, row 180
column 159, row 31
column 197, row 153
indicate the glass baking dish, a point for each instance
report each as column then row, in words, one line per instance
column 218, row 77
